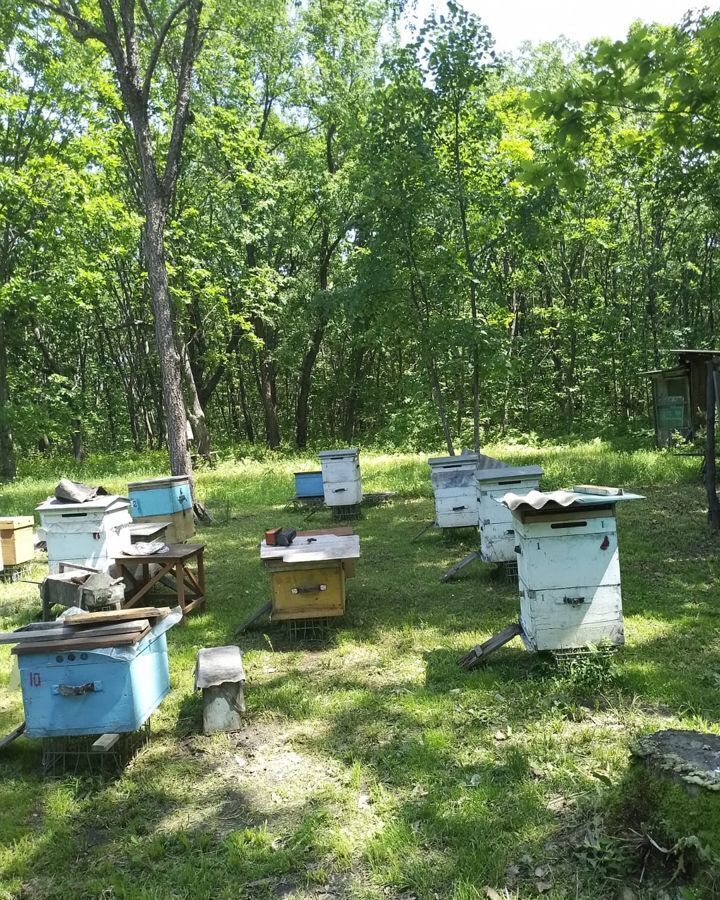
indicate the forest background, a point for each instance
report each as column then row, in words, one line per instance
column 368, row 238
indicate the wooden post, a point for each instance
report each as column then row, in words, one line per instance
column 713, row 504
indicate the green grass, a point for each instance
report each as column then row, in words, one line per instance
column 373, row 767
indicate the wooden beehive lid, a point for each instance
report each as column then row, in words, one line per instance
column 322, row 548
column 465, row 460
column 16, row 522
column 159, row 482
column 103, row 503
column 333, row 454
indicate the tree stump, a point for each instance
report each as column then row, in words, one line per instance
column 689, row 757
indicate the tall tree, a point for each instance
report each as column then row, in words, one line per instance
column 135, row 41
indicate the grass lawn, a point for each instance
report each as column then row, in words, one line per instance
column 372, row 766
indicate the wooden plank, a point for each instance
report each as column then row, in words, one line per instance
column 118, row 615
column 339, row 530
column 105, row 743
column 253, row 617
column 321, row 548
column 422, row 531
column 481, row 652
column 65, row 645
column 9, row 738
column 175, row 552
column 453, row 570
column 598, row 490
column 148, row 585
column 52, row 634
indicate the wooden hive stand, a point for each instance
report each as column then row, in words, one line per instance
column 176, row 561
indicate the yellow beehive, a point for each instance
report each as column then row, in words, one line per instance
column 16, row 539
column 307, row 592
column 307, row 578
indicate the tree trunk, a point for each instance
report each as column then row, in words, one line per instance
column 247, row 418
column 77, row 441
column 440, row 404
column 710, row 468
column 195, row 412
column 351, row 408
column 301, row 418
column 173, row 403
column 470, row 264
column 7, row 455
column 265, row 376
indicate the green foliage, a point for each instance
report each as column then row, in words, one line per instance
column 365, row 233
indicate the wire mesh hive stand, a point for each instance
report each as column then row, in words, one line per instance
column 309, row 630
column 342, row 513
column 91, row 754
column 13, row 574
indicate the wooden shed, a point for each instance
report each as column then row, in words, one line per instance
column 679, row 395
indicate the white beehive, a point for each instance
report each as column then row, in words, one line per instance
column 497, row 532
column 453, row 482
column 341, row 476
column 89, row 534
column 568, row 568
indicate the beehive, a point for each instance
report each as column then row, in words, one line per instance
column 165, row 499
column 453, row 482
column 497, row 533
column 89, row 534
column 568, row 568
column 308, row 484
column 341, row 477
column 16, row 540
column 308, row 577
column 112, row 690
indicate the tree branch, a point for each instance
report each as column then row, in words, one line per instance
column 159, row 42
column 192, row 43
column 80, row 28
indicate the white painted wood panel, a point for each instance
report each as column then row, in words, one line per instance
column 342, row 493
column 456, row 511
column 497, row 542
column 497, row 531
column 557, row 620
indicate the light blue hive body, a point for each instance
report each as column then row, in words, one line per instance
column 159, row 496
column 121, row 688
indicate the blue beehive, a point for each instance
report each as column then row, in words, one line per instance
column 166, row 499
column 81, row 692
column 159, row 496
column 308, row 484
